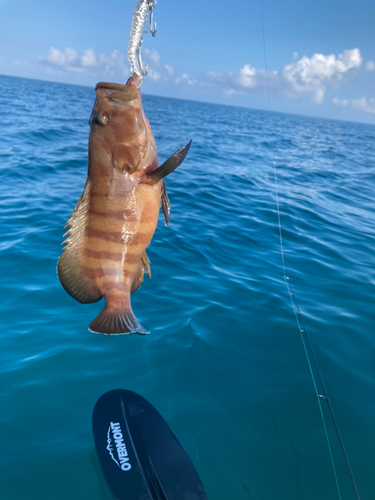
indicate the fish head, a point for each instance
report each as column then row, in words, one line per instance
column 120, row 134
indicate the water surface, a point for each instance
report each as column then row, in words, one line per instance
column 224, row 363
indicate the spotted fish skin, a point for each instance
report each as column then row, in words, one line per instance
column 117, row 213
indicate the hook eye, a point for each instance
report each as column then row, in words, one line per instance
column 101, row 117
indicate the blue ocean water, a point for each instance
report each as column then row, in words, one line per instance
column 224, row 363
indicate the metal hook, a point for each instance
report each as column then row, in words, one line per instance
column 142, row 70
column 150, row 30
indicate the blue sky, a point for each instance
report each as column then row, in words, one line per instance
column 320, row 54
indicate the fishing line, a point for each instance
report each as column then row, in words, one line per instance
column 307, row 346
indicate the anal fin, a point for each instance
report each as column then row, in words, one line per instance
column 144, row 265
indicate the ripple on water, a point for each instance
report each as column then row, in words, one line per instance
column 224, row 362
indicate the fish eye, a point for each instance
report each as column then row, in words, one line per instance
column 102, row 118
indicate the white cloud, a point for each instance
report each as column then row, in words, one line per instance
column 152, row 56
column 62, row 58
column 246, row 80
column 154, row 75
column 342, row 103
column 115, row 65
column 363, row 104
column 309, row 76
column 313, row 75
column 370, row 66
column 88, row 62
column 169, row 69
column 247, row 77
column 88, row 58
column 305, row 76
column 185, row 79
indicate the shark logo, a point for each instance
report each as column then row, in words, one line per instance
column 115, row 438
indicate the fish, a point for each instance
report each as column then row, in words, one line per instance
column 114, row 220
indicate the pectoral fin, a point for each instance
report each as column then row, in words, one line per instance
column 165, row 206
column 72, row 272
column 144, row 265
column 169, row 165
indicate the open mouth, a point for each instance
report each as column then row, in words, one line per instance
column 118, row 92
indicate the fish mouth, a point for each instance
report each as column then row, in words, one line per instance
column 118, row 92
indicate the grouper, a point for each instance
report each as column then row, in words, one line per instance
column 116, row 216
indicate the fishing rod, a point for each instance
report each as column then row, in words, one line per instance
column 312, row 362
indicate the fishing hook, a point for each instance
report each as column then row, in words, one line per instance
column 144, row 10
column 150, row 30
column 142, row 70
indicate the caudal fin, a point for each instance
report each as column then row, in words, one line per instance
column 116, row 323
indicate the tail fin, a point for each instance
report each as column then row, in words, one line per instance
column 112, row 322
